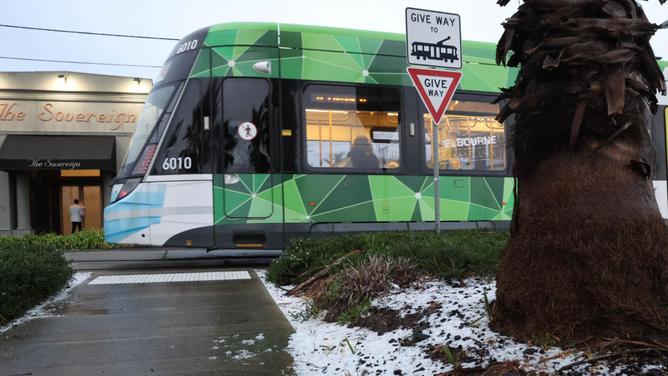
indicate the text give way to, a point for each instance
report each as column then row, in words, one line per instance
column 433, row 38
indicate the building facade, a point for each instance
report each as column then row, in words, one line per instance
column 63, row 136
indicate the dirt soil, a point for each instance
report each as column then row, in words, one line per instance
column 383, row 320
column 498, row 369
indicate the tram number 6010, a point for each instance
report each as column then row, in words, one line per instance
column 187, row 46
column 179, row 163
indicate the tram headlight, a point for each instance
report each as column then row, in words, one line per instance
column 145, row 160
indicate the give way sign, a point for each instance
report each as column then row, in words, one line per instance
column 436, row 88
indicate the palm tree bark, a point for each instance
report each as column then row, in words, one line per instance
column 588, row 254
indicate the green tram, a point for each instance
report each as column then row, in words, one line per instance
column 258, row 132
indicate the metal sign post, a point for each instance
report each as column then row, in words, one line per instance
column 437, row 167
column 434, row 39
column 436, row 89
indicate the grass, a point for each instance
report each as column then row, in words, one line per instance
column 453, row 356
column 354, row 312
column 30, row 272
column 396, row 258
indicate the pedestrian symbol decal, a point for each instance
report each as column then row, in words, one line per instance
column 247, row 131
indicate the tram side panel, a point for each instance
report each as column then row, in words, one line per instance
column 332, row 194
column 315, row 184
column 660, row 135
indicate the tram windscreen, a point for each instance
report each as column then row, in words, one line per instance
column 154, row 106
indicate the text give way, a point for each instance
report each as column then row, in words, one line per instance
column 435, row 87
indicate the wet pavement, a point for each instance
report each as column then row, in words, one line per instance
column 226, row 327
column 148, row 257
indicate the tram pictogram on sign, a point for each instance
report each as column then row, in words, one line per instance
column 433, row 38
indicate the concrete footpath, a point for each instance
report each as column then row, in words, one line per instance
column 126, row 326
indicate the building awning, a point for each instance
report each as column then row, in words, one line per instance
column 23, row 152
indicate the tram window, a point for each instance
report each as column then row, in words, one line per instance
column 185, row 148
column 352, row 128
column 469, row 138
column 246, row 123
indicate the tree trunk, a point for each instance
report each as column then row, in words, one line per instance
column 588, row 254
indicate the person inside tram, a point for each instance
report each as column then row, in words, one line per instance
column 361, row 154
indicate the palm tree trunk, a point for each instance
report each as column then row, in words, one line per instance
column 588, row 254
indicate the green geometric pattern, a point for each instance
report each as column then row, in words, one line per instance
column 251, row 198
column 312, row 198
column 233, row 61
column 332, row 54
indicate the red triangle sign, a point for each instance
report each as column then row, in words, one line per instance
column 436, row 88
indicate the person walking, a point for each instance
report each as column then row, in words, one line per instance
column 76, row 216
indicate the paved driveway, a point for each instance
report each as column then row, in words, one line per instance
column 126, row 326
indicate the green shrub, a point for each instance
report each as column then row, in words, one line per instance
column 305, row 256
column 448, row 255
column 89, row 239
column 82, row 240
column 30, row 271
column 452, row 254
column 389, row 258
column 350, row 292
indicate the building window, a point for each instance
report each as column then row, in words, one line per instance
column 352, row 128
column 469, row 138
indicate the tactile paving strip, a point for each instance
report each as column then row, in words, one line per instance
column 169, row 278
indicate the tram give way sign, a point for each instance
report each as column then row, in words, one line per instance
column 435, row 88
column 433, row 38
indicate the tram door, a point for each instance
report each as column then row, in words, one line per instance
column 245, row 192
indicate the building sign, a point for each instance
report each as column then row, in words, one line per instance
column 42, row 164
column 58, row 117
column 433, row 38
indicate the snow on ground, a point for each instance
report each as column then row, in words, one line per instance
column 459, row 320
column 45, row 309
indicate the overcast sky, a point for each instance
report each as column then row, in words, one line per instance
column 481, row 20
